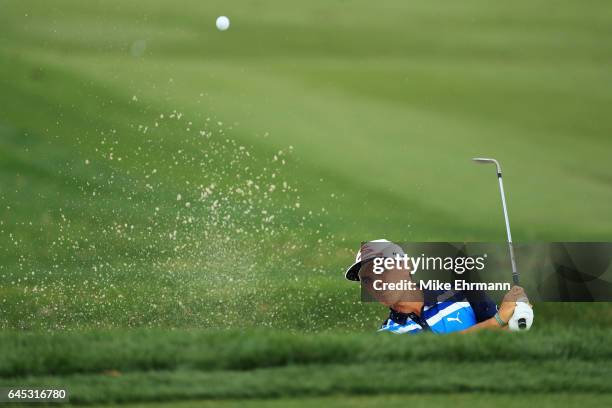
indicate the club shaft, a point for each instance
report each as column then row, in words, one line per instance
column 515, row 274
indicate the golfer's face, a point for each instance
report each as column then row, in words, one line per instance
column 386, row 286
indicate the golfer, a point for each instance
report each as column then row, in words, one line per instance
column 428, row 310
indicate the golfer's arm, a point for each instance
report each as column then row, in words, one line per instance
column 489, row 324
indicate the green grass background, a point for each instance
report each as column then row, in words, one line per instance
column 362, row 116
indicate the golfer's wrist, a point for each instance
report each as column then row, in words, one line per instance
column 499, row 320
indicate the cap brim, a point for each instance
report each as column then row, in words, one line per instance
column 352, row 273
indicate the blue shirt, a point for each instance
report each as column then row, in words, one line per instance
column 443, row 312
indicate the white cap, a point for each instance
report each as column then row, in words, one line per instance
column 379, row 248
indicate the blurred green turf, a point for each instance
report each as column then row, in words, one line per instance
column 138, row 350
column 353, row 379
column 414, row 401
column 145, row 365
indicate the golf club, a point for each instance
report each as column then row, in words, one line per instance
column 522, row 323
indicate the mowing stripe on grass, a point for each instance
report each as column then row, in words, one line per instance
column 464, row 400
column 313, row 380
column 40, row 353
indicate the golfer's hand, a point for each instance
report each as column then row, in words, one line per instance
column 506, row 309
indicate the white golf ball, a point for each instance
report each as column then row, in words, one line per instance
column 223, row 23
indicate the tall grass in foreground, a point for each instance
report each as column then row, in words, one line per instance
column 157, row 365
column 39, row 353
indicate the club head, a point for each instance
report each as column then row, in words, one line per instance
column 485, row 160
